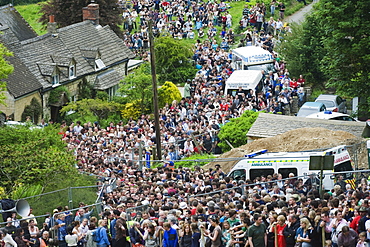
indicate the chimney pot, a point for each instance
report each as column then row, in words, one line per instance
column 91, row 12
column 51, row 18
column 52, row 25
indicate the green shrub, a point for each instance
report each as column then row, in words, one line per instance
column 189, row 161
column 236, row 130
column 168, row 93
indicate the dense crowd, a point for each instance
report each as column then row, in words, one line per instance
column 180, row 207
column 168, row 206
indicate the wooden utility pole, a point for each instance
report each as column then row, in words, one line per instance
column 155, row 92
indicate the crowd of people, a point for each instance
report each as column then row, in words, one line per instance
column 180, row 207
column 197, row 20
column 170, row 207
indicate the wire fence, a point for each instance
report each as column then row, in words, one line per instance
column 135, row 213
column 91, row 196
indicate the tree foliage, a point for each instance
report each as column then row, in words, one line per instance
column 131, row 110
column 137, row 87
column 168, row 93
column 173, row 60
column 96, row 109
column 303, row 50
column 5, row 70
column 68, row 12
column 32, row 157
column 333, row 46
column 33, row 110
column 236, row 130
column 347, row 42
column 86, row 90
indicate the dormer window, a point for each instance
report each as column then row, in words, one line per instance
column 99, row 64
column 55, row 79
column 72, row 71
column 55, row 76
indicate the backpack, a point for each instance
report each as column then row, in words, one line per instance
column 96, row 235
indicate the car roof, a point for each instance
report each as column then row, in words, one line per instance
column 327, row 115
column 326, row 97
column 312, row 105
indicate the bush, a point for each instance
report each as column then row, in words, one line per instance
column 33, row 110
column 131, row 110
column 236, row 130
column 168, row 93
column 188, row 162
column 102, row 95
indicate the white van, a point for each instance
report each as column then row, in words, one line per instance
column 247, row 79
column 262, row 163
column 252, row 58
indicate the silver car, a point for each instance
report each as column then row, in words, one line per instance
column 333, row 103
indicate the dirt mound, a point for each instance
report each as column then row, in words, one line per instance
column 297, row 140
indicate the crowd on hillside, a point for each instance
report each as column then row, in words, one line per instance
column 196, row 20
column 170, row 207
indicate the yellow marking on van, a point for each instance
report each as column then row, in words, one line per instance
column 275, row 161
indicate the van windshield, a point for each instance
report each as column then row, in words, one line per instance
column 345, row 166
column 238, row 174
column 266, row 67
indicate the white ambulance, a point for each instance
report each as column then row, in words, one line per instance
column 262, row 163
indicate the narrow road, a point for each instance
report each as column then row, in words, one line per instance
column 299, row 16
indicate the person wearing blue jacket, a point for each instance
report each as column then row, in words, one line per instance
column 104, row 241
column 170, row 238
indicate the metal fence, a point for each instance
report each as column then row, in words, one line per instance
column 92, row 197
column 133, row 213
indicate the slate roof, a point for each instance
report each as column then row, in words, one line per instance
column 26, row 81
column 11, row 19
column 268, row 125
column 106, row 79
column 82, row 42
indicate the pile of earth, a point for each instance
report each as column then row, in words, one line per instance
column 299, row 140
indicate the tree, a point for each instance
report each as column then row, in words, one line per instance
column 92, row 109
column 137, row 87
column 5, row 70
column 347, row 42
column 31, row 156
column 236, row 130
column 173, row 60
column 168, row 93
column 68, row 12
column 33, row 110
column 303, row 50
column 334, row 46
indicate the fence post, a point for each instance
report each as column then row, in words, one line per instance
column 368, row 152
column 140, row 156
column 70, row 198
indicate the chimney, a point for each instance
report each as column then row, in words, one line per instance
column 52, row 25
column 91, row 12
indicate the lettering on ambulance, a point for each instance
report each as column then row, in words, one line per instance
column 261, row 164
column 341, row 159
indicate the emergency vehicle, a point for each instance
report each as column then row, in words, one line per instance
column 262, row 163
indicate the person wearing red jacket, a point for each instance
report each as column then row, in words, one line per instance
column 361, row 213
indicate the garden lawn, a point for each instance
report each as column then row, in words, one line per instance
column 30, row 13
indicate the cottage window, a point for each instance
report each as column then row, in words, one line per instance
column 72, row 71
column 99, row 64
column 55, row 79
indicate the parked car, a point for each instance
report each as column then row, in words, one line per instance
column 333, row 103
column 309, row 108
column 329, row 115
